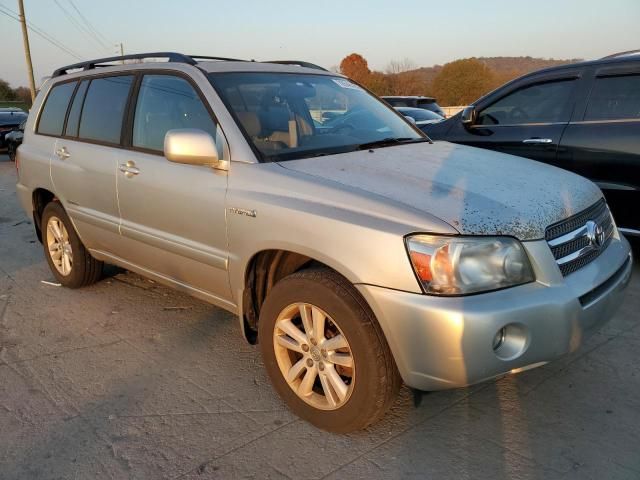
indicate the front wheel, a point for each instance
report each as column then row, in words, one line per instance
column 325, row 352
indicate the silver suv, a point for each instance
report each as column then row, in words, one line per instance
column 355, row 251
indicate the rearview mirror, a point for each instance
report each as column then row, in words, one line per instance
column 192, row 147
column 468, row 116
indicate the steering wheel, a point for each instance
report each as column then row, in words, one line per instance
column 518, row 114
column 344, row 129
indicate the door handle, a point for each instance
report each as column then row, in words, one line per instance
column 62, row 153
column 537, row 140
column 129, row 169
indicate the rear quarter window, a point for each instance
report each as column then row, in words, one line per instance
column 55, row 108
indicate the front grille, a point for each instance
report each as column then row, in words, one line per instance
column 579, row 239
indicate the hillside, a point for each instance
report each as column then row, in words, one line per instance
column 506, row 68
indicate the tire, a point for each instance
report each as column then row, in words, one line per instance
column 11, row 151
column 82, row 269
column 373, row 380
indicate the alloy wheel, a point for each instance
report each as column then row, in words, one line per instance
column 59, row 246
column 314, row 356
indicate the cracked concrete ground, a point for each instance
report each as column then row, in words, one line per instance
column 112, row 381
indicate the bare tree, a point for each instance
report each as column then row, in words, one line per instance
column 399, row 66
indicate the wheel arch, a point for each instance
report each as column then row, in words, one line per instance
column 263, row 270
column 39, row 199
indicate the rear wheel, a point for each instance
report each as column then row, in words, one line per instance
column 68, row 259
column 11, row 151
column 325, row 352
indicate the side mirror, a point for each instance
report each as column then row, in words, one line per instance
column 410, row 119
column 468, row 116
column 192, row 147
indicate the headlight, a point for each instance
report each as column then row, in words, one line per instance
column 463, row 265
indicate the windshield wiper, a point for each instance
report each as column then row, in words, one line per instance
column 387, row 142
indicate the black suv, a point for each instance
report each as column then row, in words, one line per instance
column 584, row 117
column 10, row 119
column 414, row 101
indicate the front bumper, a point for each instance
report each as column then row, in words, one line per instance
column 440, row 343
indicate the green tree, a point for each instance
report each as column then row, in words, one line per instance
column 463, row 81
column 6, row 92
column 23, row 94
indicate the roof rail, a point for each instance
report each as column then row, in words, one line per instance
column 226, row 59
column 622, row 54
column 171, row 57
column 299, row 63
column 90, row 64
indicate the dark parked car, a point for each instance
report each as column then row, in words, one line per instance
column 420, row 116
column 13, row 140
column 415, row 101
column 10, row 119
column 584, row 117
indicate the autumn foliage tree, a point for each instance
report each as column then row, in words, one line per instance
column 456, row 83
column 355, row 67
column 397, row 79
column 463, row 81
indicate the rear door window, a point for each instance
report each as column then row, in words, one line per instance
column 76, row 108
column 540, row 103
column 103, row 109
column 614, row 98
column 55, row 109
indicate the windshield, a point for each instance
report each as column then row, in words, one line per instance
column 12, row 118
column 288, row 116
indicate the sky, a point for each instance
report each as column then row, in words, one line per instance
column 323, row 32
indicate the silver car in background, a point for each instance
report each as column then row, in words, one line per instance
column 356, row 252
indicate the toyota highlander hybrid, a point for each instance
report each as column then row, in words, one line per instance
column 357, row 253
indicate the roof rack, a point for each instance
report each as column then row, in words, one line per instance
column 299, row 63
column 90, row 64
column 226, row 59
column 622, row 54
column 171, row 57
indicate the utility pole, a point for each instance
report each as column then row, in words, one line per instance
column 121, row 50
column 27, row 51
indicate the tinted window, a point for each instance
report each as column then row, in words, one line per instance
column 103, row 109
column 541, row 103
column 614, row 98
column 55, row 109
column 76, row 107
column 166, row 103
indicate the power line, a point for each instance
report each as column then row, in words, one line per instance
column 41, row 33
column 80, row 27
column 89, row 25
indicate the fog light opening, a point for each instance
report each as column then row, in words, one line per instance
column 510, row 342
column 498, row 340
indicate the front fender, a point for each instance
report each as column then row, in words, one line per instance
column 360, row 235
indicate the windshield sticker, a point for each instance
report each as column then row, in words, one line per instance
column 344, row 83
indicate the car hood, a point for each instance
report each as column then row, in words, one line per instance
column 476, row 191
